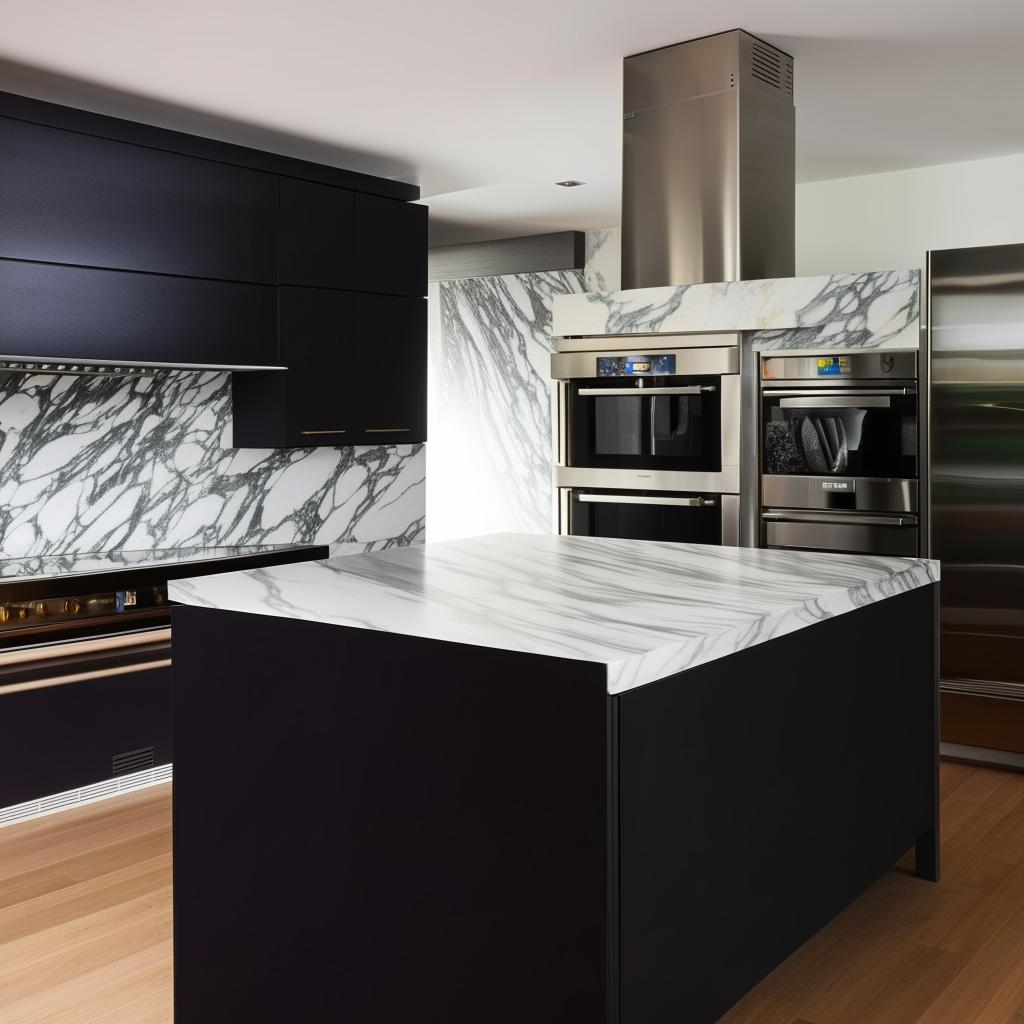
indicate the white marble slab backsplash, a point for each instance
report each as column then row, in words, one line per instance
column 489, row 457
column 96, row 463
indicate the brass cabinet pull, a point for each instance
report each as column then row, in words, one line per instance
column 388, row 430
column 311, row 433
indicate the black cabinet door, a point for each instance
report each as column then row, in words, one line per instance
column 317, row 347
column 64, row 737
column 391, row 369
column 74, row 313
column 315, row 245
column 71, row 198
column 390, row 246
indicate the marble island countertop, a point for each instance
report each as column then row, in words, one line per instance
column 644, row 609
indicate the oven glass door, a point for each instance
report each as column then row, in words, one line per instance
column 645, row 515
column 840, row 432
column 661, row 423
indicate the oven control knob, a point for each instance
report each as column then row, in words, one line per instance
column 41, row 608
column 72, row 606
column 20, row 612
column 5, row 613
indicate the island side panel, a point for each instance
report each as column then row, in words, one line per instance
column 376, row 828
column 761, row 793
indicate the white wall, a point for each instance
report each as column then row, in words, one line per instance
column 887, row 221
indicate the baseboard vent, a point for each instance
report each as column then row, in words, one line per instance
column 129, row 782
column 134, row 761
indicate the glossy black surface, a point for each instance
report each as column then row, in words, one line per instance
column 841, row 440
column 674, row 523
column 646, row 431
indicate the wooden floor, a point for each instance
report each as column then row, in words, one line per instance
column 85, row 923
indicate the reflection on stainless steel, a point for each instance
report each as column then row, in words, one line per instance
column 866, row 494
column 723, row 358
column 840, row 437
column 977, row 300
column 707, row 162
column 663, row 423
column 875, row 368
column 833, row 531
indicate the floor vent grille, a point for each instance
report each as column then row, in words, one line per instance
column 17, row 813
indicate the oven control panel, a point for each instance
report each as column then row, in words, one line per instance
column 655, row 365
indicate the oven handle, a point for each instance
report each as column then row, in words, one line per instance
column 690, row 389
column 818, row 392
column 839, row 402
column 640, row 499
column 81, row 677
column 839, row 518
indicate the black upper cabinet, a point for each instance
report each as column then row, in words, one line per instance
column 317, row 346
column 315, row 246
column 312, row 402
column 391, row 368
column 390, row 246
column 76, row 313
column 76, row 199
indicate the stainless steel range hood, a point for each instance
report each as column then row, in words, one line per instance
column 708, row 166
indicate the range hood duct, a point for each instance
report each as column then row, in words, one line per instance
column 708, row 163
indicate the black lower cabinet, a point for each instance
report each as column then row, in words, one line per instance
column 54, row 312
column 67, row 736
column 390, row 828
column 391, row 363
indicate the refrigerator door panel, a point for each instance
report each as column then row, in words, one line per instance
column 977, row 410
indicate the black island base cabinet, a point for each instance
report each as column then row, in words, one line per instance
column 123, row 243
column 402, row 829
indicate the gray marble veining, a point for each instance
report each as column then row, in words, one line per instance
column 490, row 404
column 97, row 463
column 842, row 311
column 643, row 609
column 602, row 269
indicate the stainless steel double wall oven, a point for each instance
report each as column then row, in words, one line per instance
column 647, row 437
column 841, row 452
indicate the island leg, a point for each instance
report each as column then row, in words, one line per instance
column 926, row 856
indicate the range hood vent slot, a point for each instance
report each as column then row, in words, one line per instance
column 771, row 67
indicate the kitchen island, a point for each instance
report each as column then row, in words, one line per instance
column 532, row 778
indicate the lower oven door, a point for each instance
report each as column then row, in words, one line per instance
column 79, row 712
column 840, row 531
column 643, row 515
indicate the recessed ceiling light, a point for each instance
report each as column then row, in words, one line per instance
column 570, row 183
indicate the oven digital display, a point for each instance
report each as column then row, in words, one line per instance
column 636, row 366
column 833, row 366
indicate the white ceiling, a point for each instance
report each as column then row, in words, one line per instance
column 486, row 105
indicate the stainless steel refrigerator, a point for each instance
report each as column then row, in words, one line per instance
column 976, row 321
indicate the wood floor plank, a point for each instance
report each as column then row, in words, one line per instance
column 85, row 923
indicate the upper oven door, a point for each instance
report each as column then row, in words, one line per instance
column 848, row 430
column 654, row 411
